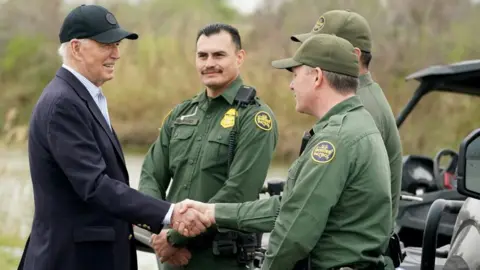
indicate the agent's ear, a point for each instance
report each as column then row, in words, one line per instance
column 358, row 52
column 241, row 54
column 318, row 76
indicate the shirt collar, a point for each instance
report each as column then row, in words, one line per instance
column 365, row 79
column 91, row 88
column 229, row 93
column 347, row 105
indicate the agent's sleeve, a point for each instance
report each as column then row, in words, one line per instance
column 256, row 142
column 155, row 174
column 394, row 150
column 255, row 216
column 304, row 212
column 76, row 150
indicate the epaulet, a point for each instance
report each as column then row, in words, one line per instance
column 334, row 123
column 336, row 120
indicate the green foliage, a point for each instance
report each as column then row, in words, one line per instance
column 11, row 241
column 25, row 67
column 8, row 261
column 18, row 51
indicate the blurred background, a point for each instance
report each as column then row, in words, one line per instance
column 157, row 72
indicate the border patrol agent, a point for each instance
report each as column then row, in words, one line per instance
column 216, row 149
column 354, row 28
column 336, row 204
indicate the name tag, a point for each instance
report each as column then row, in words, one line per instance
column 187, row 121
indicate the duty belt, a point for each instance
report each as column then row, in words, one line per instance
column 360, row 266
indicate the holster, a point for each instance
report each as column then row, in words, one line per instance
column 235, row 244
column 225, row 243
column 247, row 244
column 394, row 250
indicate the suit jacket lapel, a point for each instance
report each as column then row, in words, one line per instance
column 118, row 142
column 101, row 120
column 121, row 153
column 83, row 93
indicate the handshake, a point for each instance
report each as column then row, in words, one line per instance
column 189, row 218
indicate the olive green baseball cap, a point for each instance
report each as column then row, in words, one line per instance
column 328, row 52
column 343, row 23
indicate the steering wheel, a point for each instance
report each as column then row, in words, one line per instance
column 444, row 177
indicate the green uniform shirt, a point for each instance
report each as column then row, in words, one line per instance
column 336, row 204
column 376, row 103
column 192, row 150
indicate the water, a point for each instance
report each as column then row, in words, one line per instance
column 16, row 197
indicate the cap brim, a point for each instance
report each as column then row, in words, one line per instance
column 114, row 35
column 301, row 37
column 288, row 64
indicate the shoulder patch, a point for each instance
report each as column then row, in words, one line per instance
column 228, row 119
column 263, row 120
column 319, row 24
column 323, row 152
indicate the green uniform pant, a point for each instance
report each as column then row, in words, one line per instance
column 204, row 259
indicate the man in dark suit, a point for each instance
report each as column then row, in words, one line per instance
column 84, row 206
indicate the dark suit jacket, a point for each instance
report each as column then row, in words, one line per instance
column 84, row 206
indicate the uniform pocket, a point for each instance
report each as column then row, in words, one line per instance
column 182, row 133
column 216, row 151
column 180, row 143
column 94, row 247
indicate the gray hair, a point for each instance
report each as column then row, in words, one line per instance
column 343, row 84
column 62, row 50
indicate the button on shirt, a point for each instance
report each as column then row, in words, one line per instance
column 101, row 101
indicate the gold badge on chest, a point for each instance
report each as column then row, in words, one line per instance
column 228, row 119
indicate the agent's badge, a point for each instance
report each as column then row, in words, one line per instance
column 263, row 120
column 323, row 152
column 228, row 119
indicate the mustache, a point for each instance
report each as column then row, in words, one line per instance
column 212, row 70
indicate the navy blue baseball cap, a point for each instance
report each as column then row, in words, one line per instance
column 93, row 22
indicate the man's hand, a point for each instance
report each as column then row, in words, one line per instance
column 188, row 221
column 166, row 252
column 208, row 209
column 179, row 258
column 161, row 246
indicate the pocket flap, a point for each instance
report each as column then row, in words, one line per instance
column 222, row 138
column 89, row 234
column 182, row 133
